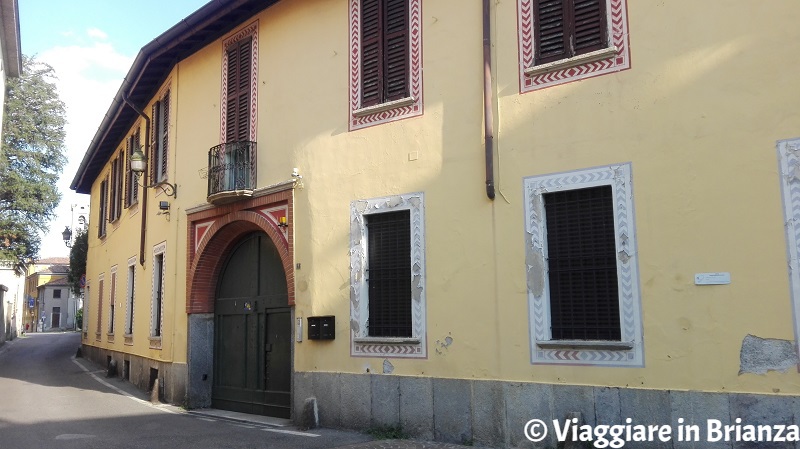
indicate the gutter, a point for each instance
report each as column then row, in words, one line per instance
column 488, row 100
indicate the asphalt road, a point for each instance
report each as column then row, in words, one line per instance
column 50, row 399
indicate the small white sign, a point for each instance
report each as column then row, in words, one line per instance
column 712, row 278
column 298, row 330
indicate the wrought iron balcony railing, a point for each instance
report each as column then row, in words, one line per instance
column 231, row 169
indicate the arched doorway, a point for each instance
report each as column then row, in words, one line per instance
column 252, row 328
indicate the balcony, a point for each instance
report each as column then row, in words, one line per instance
column 231, row 172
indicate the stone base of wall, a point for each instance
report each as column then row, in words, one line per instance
column 171, row 376
column 494, row 413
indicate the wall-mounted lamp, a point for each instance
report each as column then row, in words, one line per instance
column 282, row 222
column 67, row 236
column 139, row 165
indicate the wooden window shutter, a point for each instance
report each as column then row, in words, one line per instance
column 567, row 28
column 165, row 137
column 396, row 50
column 127, row 166
column 590, row 28
column 551, row 33
column 237, row 124
column 151, row 158
column 371, row 53
column 136, row 143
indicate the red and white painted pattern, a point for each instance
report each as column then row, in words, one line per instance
column 249, row 30
column 200, row 230
column 618, row 24
column 415, row 69
column 273, row 216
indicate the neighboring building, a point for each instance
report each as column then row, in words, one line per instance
column 40, row 273
column 321, row 221
column 57, row 305
column 12, row 300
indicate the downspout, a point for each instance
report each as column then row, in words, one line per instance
column 488, row 117
column 144, row 175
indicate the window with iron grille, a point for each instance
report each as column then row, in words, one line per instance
column 158, row 295
column 160, row 139
column 112, row 298
column 129, row 297
column 57, row 293
column 582, row 264
column 99, row 327
column 389, row 274
column 582, row 269
column 567, row 28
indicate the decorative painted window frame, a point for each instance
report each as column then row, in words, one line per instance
column 158, row 250
column 100, row 283
column 612, row 59
column 361, row 344
column 112, row 298
column 249, row 30
column 629, row 352
column 789, row 166
column 393, row 110
column 130, row 291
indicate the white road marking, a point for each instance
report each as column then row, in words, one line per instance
column 292, row 432
column 118, row 390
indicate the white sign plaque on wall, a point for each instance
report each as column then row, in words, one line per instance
column 712, row 278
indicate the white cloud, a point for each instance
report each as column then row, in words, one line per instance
column 88, row 79
column 97, row 33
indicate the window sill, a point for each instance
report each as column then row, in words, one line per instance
column 572, row 62
column 387, row 340
column 585, row 344
column 155, row 342
column 128, row 339
column 369, row 110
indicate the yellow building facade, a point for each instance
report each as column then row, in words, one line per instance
column 459, row 222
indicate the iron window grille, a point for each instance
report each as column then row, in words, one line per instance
column 584, row 298
column 388, row 274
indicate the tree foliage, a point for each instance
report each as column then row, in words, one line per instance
column 77, row 261
column 31, row 160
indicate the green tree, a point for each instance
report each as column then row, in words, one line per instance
column 31, row 161
column 77, row 261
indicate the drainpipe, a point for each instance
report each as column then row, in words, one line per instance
column 144, row 176
column 488, row 118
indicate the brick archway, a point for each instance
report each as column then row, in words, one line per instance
column 214, row 249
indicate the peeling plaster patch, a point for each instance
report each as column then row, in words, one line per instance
column 534, row 258
column 388, row 368
column 354, row 326
column 442, row 346
column 416, row 288
column 760, row 355
column 394, row 201
column 360, row 206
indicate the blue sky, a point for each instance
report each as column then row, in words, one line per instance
column 91, row 45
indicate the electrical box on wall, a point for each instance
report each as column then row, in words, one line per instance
column 321, row 327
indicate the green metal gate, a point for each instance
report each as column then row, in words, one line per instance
column 252, row 347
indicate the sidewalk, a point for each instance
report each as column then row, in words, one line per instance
column 131, row 391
